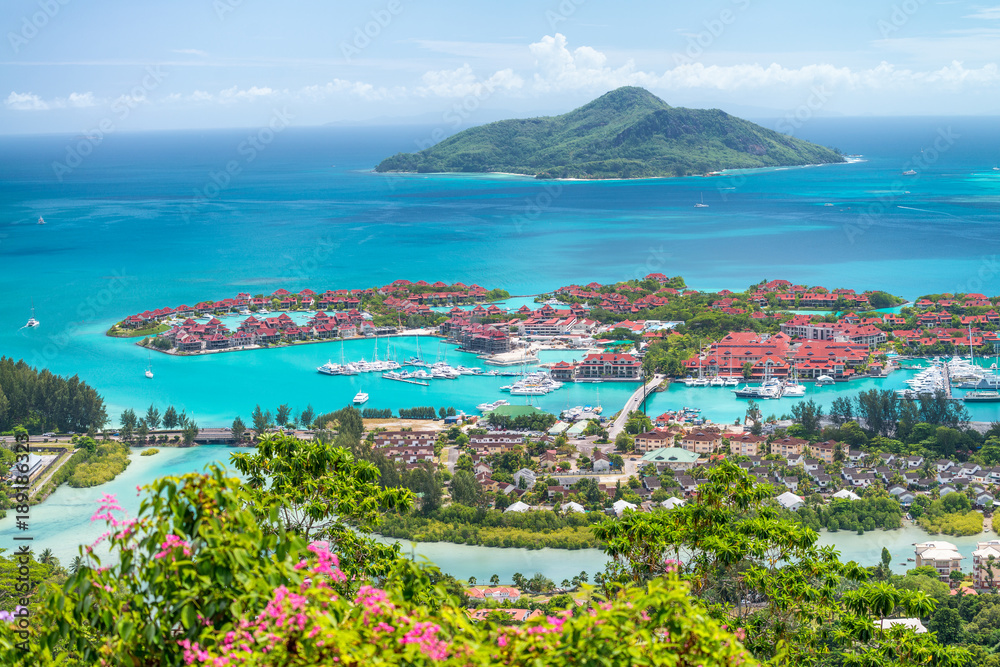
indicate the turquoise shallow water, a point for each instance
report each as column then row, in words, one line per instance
column 141, row 224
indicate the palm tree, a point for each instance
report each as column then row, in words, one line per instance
column 46, row 557
column 495, row 580
column 75, row 565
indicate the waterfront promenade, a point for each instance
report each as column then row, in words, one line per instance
column 633, row 403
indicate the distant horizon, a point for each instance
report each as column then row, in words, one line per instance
column 194, row 64
column 422, row 122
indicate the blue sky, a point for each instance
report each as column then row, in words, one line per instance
column 69, row 65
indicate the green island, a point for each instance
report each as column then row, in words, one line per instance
column 626, row 133
column 493, row 528
column 119, row 331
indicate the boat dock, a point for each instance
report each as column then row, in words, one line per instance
column 406, row 380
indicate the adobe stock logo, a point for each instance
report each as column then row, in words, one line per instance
column 364, row 35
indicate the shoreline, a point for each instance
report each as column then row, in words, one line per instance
column 534, row 177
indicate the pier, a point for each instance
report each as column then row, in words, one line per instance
column 406, row 380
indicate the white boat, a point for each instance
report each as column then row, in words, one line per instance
column 486, row 407
column 717, row 382
column 793, row 390
column 41, row 221
column 825, row 379
column 910, row 172
column 149, row 366
column 32, row 322
column 756, row 392
column 360, row 397
column 699, row 382
column 732, row 381
column 702, row 203
column 330, row 368
column 421, row 374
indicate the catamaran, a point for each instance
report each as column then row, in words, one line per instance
column 360, row 397
column 32, row 322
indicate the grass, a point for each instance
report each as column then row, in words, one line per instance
column 117, row 331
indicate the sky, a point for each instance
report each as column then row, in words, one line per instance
column 80, row 65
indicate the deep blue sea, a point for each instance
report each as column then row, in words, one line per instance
column 153, row 219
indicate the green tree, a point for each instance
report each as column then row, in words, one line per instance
column 153, row 417
column 747, row 370
column 320, row 491
column 495, row 580
column 190, row 433
column 282, row 414
column 128, row 422
column 170, row 418
column 306, row 418
column 465, row 489
column 238, row 429
column 261, row 420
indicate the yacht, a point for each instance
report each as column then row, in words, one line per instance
column 699, row 382
column 330, row 368
column 41, row 221
column 717, row 382
column 756, row 392
column 702, row 203
column 486, row 407
column 910, row 172
column 732, row 381
column 793, row 390
column 421, row 374
column 149, row 366
column 32, row 322
column 360, row 397
column 982, row 397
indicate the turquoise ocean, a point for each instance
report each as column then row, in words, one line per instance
column 154, row 219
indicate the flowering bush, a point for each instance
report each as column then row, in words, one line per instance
column 195, row 578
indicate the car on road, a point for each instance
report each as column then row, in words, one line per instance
column 48, row 435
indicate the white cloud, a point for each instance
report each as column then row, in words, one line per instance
column 358, row 89
column 985, row 13
column 81, row 100
column 584, row 68
column 463, row 82
column 234, row 94
column 25, row 102
column 192, row 52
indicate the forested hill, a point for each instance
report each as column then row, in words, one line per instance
column 626, row 133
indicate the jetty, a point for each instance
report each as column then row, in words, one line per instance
column 406, row 380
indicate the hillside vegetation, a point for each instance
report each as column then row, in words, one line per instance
column 626, row 133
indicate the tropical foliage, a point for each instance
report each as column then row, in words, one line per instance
column 41, row 401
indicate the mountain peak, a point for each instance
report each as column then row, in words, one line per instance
column 627, row 98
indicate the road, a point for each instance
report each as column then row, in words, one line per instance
column 633, row 403
column 40, row 484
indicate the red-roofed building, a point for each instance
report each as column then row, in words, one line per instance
column 609, row 366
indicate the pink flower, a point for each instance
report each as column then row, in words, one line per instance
column 172, row 542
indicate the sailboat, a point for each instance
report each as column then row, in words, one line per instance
column 32, row 322
column 149, row 366
column 701, row 204
column 41, row 220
